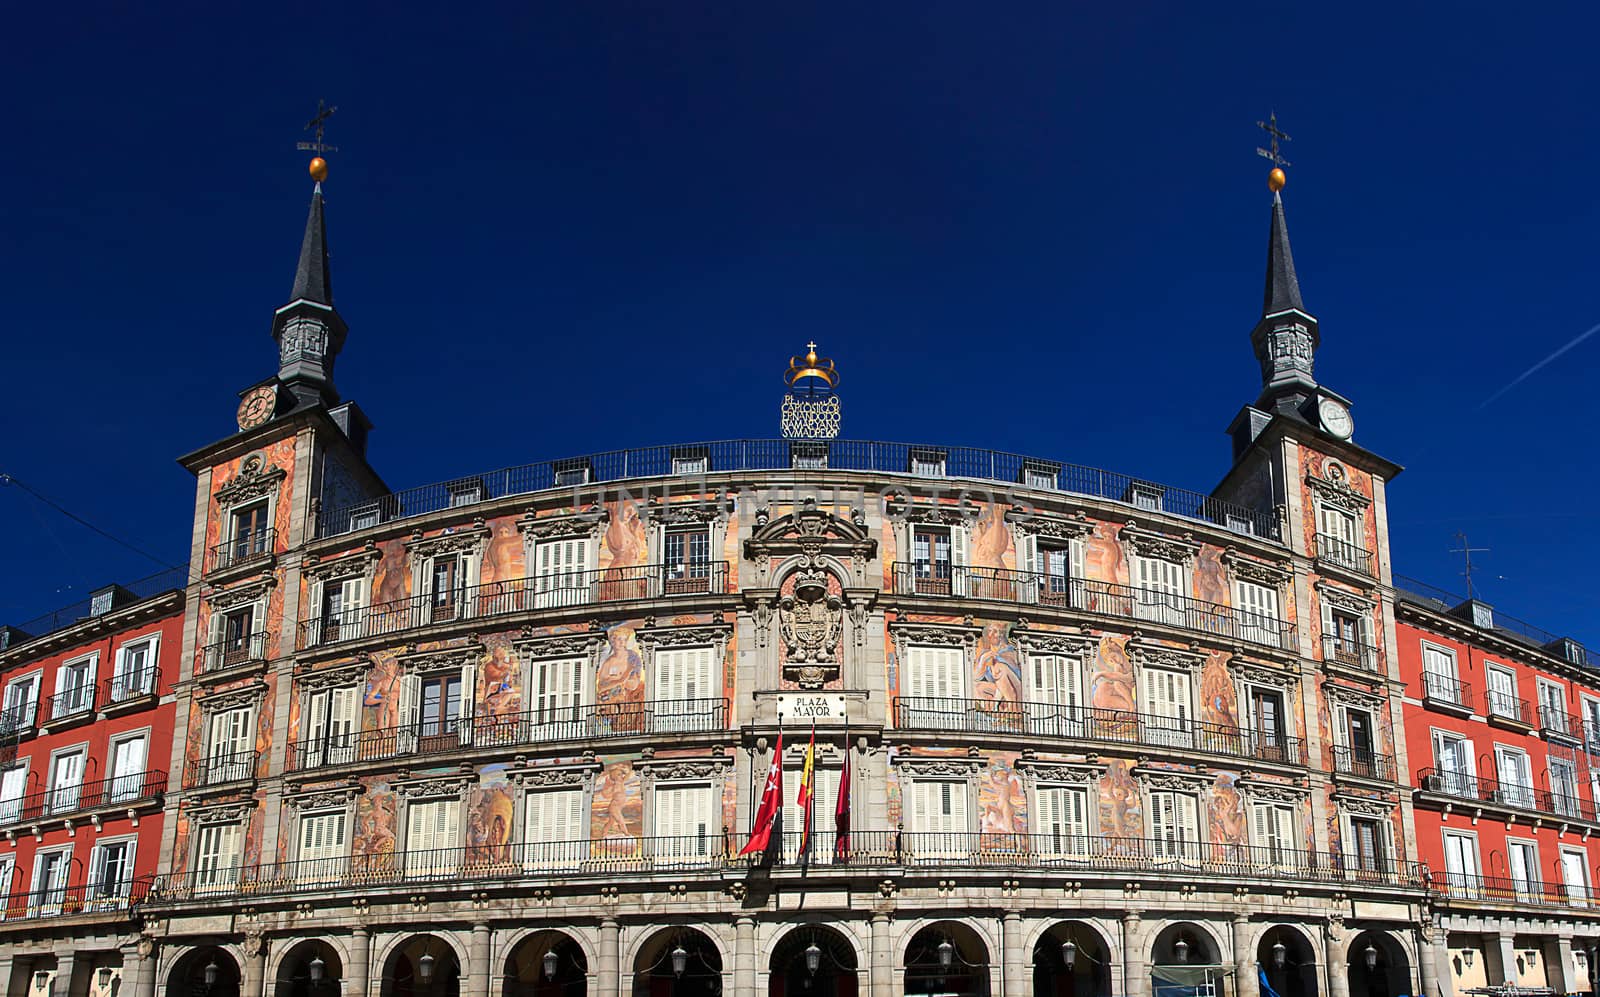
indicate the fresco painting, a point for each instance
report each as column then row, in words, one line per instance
column 1225, row 815
column 1111, row 684
column 626, row 541
column 377, row 825
column 893, row 799
column 1103, row 557
column 503, row 555
column 391, row 579
column 276, row 456
column 1210, row 577
column 731, row 550
column 1121, row 804
column 499, row 676
column 616, row 811
column 1218, row 698
column 491, row 818
column 1002, row 804
column 380, row 700
column 997, row 671
column 991, row 545
column 619, row 681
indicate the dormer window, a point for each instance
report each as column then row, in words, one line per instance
column 808, row 456
column 573, row 472
column 927, row 463
column 1040, row 474
column 467, row 492
column 690, row 460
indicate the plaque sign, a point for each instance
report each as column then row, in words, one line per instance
column 804, row 707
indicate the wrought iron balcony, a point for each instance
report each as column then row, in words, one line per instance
column 518, row 595
column 214, row 770
column 244, row 549
column 1510, row 890
column 104, row 897
column 1446, row 690
column 65, row 705
column 1344, row 554
column 1508, row 708
column 1005, row 469
column 1363, row 763
column 572, row 723
column 1554, row 720
column 1095, row 597
column 608, row 858
column 127, row 686
column 232, row 652
column 120, row 792
column 1493, row 792
column 1044, row 720
column 1350, row 652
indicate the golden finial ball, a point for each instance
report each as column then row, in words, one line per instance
column 1276, row 180
column 319, row 169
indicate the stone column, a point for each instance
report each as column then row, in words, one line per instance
column 1428, row 960
column 6, row 969
column 66, row 969
column 1568, row 982
column 478, row 961
column 139, row 967
column 744, row 956
column 360, row 969
column 1135, row 962
column 880, row 979
column 609, row 975
column 1011, row 962
column 1244, row 958
column 255, row 966
column 1334, row 941
column 1508, row 959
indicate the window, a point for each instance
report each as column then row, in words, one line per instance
column 440, row 705
column 8, row 869
column 1267, row 725
column 1553, row 707
column 686, row 555
column 250, row 537
column 1439, row 674
column 1161, row 589
column 1452, row 758
column 1522, row 860
column 1461, row 864
column 1058, row 696
column 324, row 852
column 1516, row 776
column 1564, row 788
column 560, row 572
column 556, row 710
column 808, row 456
column 554, row 828
column 128, row 757
column 66, row 781
column 685, row 821
column 1354, row 744
column 50, row 880
column 938, row 560
column 216, row 856
column 1168, row 708
column 111, row 872
column 364, row 518
column 134, row 673
column 22, row 702
column 433, row 839
column 1367, row 847
column 691, row 464
column 1145, row 495
column 1591, row 720
column 13, row 785
column 823, row 801
column 1174, row 826
column 1063, row 821
column 1575, row 871
column 1345, row 638
column 683, row 683
column 1503, row 701
column 343, row 601
column 436, row 709
column 231, row 751
column 464, row 493
column 1257, row 609
column 235, row 638
column 445, row 581
column 939, row 818
column 1039, row 475
column 927, row 463
column 74, row 688
column 1053, row 570
column 932, row 687
column 328, row 736
column 1338, row 540
column 571, row 472
column 1273, row 825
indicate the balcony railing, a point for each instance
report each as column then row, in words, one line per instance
column 1363, row 763
column 1504, row 706
column 868, row 849
column 1005, row 469
column 1034, row 720
column 1349, row 652
column 118, row 791
column 1508, row 889
column 124, row 686
column 1087, row 596
column 518, row 595
column 214, row 770
column 1493, row 792
column 110, row 896
column 1344, row 554
column 71, row 703
column 1447, row 689
column 242, row 550
column 18, row 721
column 571, row 723
column 234, row 651
column 1554, row 720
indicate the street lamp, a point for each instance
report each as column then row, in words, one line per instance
column 1466, row 957
column 680, row 960
column 813, row 958
column 947, row 954
column 1069, row 953
column 425, row 968
column 1181, row 950
column 550, row 965
column 317, row 969
column 1372, row 957
column 212, row 972
column 1280, row 954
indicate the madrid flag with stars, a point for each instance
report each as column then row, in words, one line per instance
column 766, row 831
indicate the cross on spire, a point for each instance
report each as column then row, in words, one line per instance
column 317, row 124
column 1270, row 126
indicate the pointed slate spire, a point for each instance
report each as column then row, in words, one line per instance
column 1283, row 287
column 313, row 280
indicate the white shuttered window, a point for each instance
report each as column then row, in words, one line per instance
column 1058, row 691
column 1063, row 820
column 560, row 571
column 556, row 689
column 433, row 838
column 216, row 861
column 685, row 821
column 939, row 817
column 554, row 827
column 684, row 680
column 1168, row 708
column 1175, row 826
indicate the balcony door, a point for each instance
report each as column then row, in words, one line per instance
column 939, row 819
column 1063, row 824
column 1460, row 864
column 127, row 768
column 1174, row 826
column 1169, row 708
column 1516, row 777
column 685, row 824
column 433, row 839
column 932, row 688
column 1057, row 707
column 1266, row 717
column 556, row 710
column 554, row 829
column 561, row 572
column 937, row 555
column 684, row 688
column 231, row 752
column 1522, row 860
column 331, row 734
column 1452, row 757
column 1162, row 590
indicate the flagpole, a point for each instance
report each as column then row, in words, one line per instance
column 844, row 787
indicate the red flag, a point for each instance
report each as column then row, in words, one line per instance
column 769, row 814
column 841, row 811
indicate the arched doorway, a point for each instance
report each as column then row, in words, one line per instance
column 812, row 961
column 310, row 969
column 1185, row 962
column 1071, row 960
column 678, row 962
column 422, row 966
column 948, row 959
column 1289, row 962
column 204, row 972
column 546, row 964
column 1378, row 966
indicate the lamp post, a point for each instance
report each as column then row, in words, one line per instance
column 550, row 966
column 813, row 959
column 425, row 969
column 947, row 954
column 1372, row 957
column 680, row 960
column 317, row 969
column 1280, row 954
column 1069, row 954
column 212, row 972
column 1180, row 948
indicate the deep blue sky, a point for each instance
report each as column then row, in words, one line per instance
column 570, row 227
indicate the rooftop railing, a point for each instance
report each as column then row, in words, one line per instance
column 713, row 851
column 165, row 580
column 1046, row 720
column 568, row 723
column 1088, row 596
column 1539, row 639
column 517, row 595
column 804, row 457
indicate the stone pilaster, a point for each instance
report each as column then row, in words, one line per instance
column 1135, row 961
column 881, row 977
column 744, row 956
column 609, row 977
column 1249, row 985
column 478, row 961
column 1014, row 982
column 360, row 969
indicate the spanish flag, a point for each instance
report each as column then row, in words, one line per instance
column 808, row 791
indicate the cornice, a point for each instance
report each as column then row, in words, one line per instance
column 169, row 603
column 584, row 524
column 1152, row 543
column 442, row 659
column 357, row 561
column 465, row 540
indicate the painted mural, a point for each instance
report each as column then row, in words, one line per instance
column 499, row 693
column 1103, row 556
column 504, row 558
column 1218, row 698
column 1228, row 826
column 616, row 810
column 997, row 667
column 619, row 682
column 1121, row 803
column 626, row 542
column 1002, row 804
column 377, row 825
column 1112, row 687
column 491, row 818
column 1211, row 577
column 991, row 545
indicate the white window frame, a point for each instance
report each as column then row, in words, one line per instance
column 61, row 799
column 355, row 597
column 563, row 570
column 1496, row 699
column 1520, row 793
column 49, row 898
column 933, row 695
column 1528, row 885
column 1577, row 893
column 1172, row 724
column 30, row 709
column 1180, row 842
column 1566, row 803
column 11, row 810
column 411, row 704
column 329, row 858
column 682, row 844
column 469, row 564
column 255, row 640
column 96, row 885
column 1055, row 688
column 546, row 811
column 924, row 574
column 1552, row 714
column 1069, row 836
column 1449, row 688
column 1263, row 623
column 1161, row 589
column 825, row 796
column 127, row 786
column 1387, row 855
column 439, row 861
column 1463, row 783
column 948, row 835
column 685, row 712
column 226, row 761
column 1274, row 832
column 8, row 874
column 83, row 702
column 221, row 872
column 1462, row 882
column 143, row 680
column 559, row 696
column 321, row 740
column 1040, row 585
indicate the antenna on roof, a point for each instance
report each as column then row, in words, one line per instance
column 1466, row 551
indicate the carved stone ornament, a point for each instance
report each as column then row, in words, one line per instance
column 467, row 540
column 1071, row 645
column 908, row 510
column 227, row 699
column 683, row 769
column 684, row 636
column 441, row 786
column 929, row 767
column 333, row 677
column 254, row 480
column 810, row 622
column 239, row 595
column 255, row 942
column 1148, row 543
column 335, row 798
column 578, row 645
column 1335, row 489
column 1183, row 782
column 1364, row 806
column 914, row 634
column 1062, row 773
column 689, row 513
column 357, row 562
column 222, row 813
column 1273, row 792
column 1148, row 654
column 1248, row 569
column 553, row 776
column 443, row 660
column 810, row 534
column 587, row 523
column 1051, row 527
column 1343, row 695
column 1255, row 674
column 1343, row 598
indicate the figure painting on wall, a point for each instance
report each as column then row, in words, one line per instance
column 377, row 817
column 1002, row 807
column 616, row 817
column 1226, row 810
column 619, row 683
column 997, row 676
column 1121, row 809
column 1111, row 685
column 1218, row 700
column 489, row 821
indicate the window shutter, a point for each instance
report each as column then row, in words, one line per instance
column 353, row 603
column 469, row 702
column 341, row 725
column 1028, row 561
column 410, row 712
column 98, row 886
column 317, row 743
column 958, row 560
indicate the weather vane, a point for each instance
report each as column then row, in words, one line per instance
column 319, row 166
column 1275, row 179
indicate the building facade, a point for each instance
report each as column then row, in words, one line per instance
column 85, row 733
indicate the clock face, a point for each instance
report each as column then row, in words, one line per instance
column 257, row 406
column 1336, row 418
